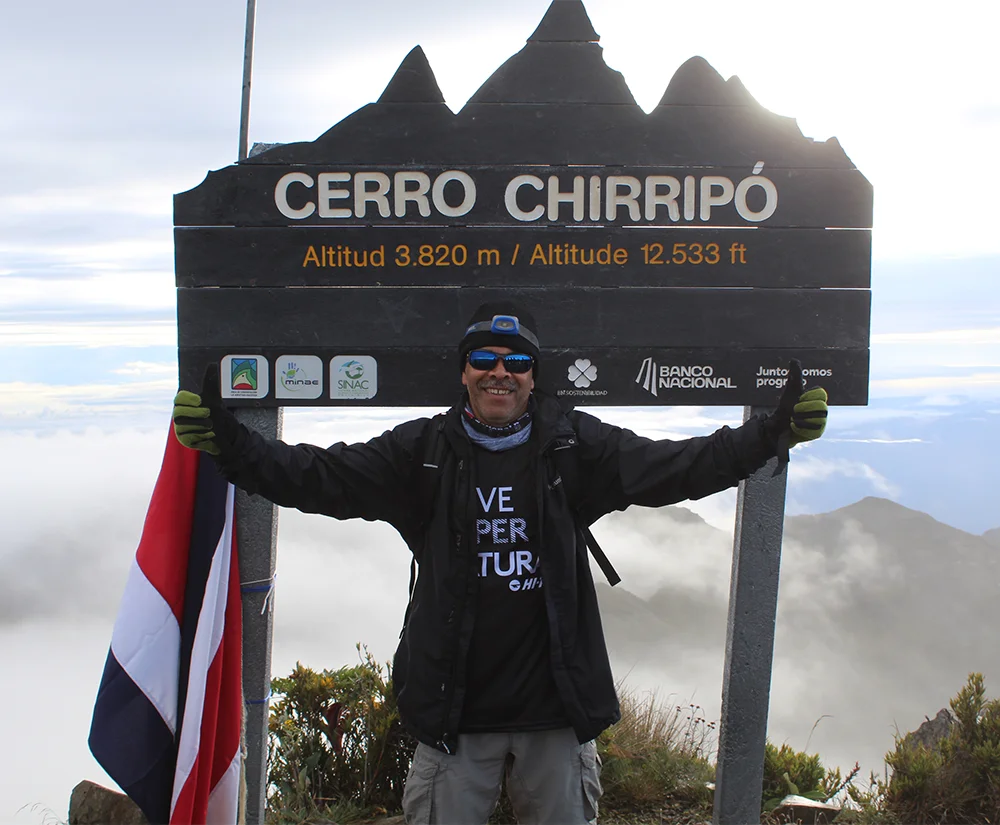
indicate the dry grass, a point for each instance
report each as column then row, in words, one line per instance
column 656, row 761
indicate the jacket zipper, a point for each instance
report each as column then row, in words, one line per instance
column 553, row 444
column 449, row 689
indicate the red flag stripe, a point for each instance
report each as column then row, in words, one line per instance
column 196, row 750
column 229, row 732
column 163, row 548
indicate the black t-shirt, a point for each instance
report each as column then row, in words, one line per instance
column 509, row 684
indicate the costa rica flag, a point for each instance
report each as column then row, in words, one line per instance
column 168, row 716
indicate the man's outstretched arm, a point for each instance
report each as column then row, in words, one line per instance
column 370, row 480
column 630, row 469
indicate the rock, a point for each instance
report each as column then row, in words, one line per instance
column 91, row 804
column 798, row 809
column 932, row 732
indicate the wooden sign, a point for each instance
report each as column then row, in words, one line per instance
column 679, row 257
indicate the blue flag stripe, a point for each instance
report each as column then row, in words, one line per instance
column 142, row 762
column 206, row 528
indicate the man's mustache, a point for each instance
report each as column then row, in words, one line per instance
column 497, row 384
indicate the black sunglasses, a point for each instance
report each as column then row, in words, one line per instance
column 515, row 362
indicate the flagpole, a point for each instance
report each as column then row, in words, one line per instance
column 247, row 71
column 256, row 528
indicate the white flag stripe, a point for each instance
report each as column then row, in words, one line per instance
column 211, row 624
column 145, row 636
column 224, row 801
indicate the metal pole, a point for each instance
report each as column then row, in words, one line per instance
column 256, row 542
column 247, row 71
column 746, row 684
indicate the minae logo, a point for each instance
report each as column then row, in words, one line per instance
column 295, row 376
column 299, row 376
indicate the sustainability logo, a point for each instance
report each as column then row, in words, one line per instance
column 582, row 373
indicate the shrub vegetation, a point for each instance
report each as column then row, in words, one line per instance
column 338, row 753
column 337, row 750
column 958, row 781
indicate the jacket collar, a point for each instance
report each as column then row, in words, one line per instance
column 548, row 418
column 551, row 420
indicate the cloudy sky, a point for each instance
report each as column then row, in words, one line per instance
column 111, row 107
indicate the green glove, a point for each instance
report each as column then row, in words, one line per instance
column 200, row 421
column 800, row 416
column 809, row 416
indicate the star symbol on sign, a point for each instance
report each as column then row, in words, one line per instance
column 397, row 312
column 582, row 373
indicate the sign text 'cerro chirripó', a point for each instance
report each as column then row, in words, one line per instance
column 597, row 198
column 680, row 256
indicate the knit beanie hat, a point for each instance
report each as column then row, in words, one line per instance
column 491, row 326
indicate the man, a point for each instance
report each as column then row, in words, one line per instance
column 502, row 664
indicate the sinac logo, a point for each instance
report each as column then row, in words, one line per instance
column 353, row 370
column 582, row 373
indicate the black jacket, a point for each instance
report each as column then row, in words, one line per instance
column 385, row 479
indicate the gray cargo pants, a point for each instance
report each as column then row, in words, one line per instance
column 551, row 780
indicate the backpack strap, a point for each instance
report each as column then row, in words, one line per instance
column 568, row 472
column 602, row 560
column 434, row 444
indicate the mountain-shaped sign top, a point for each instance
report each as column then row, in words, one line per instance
column 566, row 21
column 414, row 81
column 557, row 102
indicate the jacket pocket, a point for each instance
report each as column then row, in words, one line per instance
column 590, row 775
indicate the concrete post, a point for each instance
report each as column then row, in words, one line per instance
column 256, row 536
column 746, row 685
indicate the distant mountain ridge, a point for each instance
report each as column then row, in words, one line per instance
column 917, row 463
column 882, row 613
column 873, row 509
